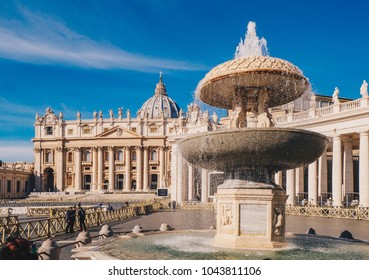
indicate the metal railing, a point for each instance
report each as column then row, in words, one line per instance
column 358, row 213
column 38, row 229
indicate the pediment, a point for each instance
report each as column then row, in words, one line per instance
column 118, row 132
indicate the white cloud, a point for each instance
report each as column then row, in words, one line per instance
column 11, row 151
column 42, row 40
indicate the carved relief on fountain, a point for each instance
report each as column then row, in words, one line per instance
column 278, row 221
column 227, row 218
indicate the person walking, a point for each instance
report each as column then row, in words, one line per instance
column 68, row 219
column 82, row 217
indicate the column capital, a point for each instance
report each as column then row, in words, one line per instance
column 364, row 133
column 111, row 148
column 60, row 149
column 37, row 150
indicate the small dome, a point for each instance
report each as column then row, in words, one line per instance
column 160, row 103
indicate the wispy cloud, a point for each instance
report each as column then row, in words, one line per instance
column 16, row 151
column 14, row 115
column 43, row 40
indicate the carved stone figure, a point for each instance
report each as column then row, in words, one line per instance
column 313, row 102
column 128, row 112
column 120, row 113
column 364, row 89
column 78, row 115
column 227, row 216
column 111, row 113
column 278, row 221
column 335, row 99
column 95, row 114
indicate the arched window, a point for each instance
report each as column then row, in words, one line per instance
column 154, row 155
column 88, row 156
column 49, row 157
column 120, row 155
column 134, row 156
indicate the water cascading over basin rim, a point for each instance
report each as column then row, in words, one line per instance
column 283, row 81
column 239, row 149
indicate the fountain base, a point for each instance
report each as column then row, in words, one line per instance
column 249, row 217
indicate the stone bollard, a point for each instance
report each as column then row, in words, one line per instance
column 137, row 229
column 165, row 227
column 311, row 231
column 105, row 232
column 346, row 234
column 83, row 238
column 49, row 250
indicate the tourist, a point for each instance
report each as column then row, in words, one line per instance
column 70, row 218
column 17, row 248
column 82, row 217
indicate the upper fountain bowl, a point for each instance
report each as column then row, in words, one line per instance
column 283, row 81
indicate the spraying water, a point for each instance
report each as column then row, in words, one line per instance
column 252, row 45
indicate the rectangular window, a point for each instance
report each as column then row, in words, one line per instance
column 153, row 129
column 9, row 186
column 70, row 132
column 18, row 186
column 49, row 130
column 86, row 130
column 134, row 129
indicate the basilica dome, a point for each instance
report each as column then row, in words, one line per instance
column 160, row 104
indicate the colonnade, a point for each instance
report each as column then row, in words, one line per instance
column 102, row 165
column 341, row 150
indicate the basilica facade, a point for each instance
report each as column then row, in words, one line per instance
column 114, row 153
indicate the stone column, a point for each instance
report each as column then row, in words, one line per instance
column 127, row 181
column 174, row 173
column 299, row 180
column 38, row 171
column 337, row 172
column 363, row 169
column 161, row 166
column 180, row 177
column 313, row 184
column 111, row 169
column 190, row 179
column 323, row 174
column 94, row 168
column 348, row 168
column 139, row 169
column 100, row 165
column 146, row 169
column 60, row 168
column 204, row 185
column 184, row 186
column 278, row 178
column 290, row 186
column 78, row 167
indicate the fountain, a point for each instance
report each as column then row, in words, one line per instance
column 250, row 206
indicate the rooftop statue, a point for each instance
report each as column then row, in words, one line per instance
column 364, row 89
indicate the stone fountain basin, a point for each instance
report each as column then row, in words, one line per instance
column 239, row 149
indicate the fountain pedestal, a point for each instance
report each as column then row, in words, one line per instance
column 250, row 218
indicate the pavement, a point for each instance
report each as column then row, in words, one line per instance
column 195, row 219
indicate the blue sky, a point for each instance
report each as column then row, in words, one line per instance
column 89, row 55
